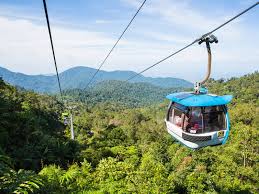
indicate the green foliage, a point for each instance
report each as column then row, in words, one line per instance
column 244, row 89
column 123, row 94
column 22, row 181
column 120, row 149
column 75, row 179
column 31, row 132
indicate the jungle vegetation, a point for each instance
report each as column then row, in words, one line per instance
column 129, row 95
column 123, row 149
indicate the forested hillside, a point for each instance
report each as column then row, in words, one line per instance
column 119, row 149
column 126, row 94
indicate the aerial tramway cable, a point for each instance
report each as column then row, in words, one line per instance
column 195, row 41
column 107, row 56
column 52, row 46
column 64, row 115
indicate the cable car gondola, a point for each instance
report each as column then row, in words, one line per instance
column 198, row 119
column 65, row 118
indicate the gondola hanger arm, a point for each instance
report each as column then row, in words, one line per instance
column 208, row 40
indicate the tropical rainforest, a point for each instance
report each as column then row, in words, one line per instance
column 121, row 146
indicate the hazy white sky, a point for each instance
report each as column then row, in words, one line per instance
column 85, row 30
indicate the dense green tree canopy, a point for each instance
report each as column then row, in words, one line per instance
column 122, row 149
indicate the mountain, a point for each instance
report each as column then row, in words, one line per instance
column 78, row 77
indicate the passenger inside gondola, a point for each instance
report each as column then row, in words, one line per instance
column 177, row 118
column 195, row 120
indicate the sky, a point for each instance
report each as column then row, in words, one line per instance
column 85, row 30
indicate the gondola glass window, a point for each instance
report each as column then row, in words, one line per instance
column 197, row 119
column 194, row 121
column 177, row 114
column 214, row 119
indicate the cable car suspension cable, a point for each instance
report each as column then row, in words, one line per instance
column 52, row 46
column 195, row 41
column 107, row 56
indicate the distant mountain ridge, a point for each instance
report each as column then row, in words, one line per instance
column 78, row 77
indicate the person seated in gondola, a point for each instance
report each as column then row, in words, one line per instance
column 181, row 121
column 178, row 121
column 195, row 120
column 186, row 122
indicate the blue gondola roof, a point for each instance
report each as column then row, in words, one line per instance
column 191, row 99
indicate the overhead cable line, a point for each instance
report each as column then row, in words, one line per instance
column 107, row 56
column 52, row 47
column 195, row 41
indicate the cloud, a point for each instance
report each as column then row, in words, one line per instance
column 178, row 13
column 103, row 21
column 27, row 48
column 25, row 45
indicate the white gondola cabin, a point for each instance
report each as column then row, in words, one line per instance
column 198, row 120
